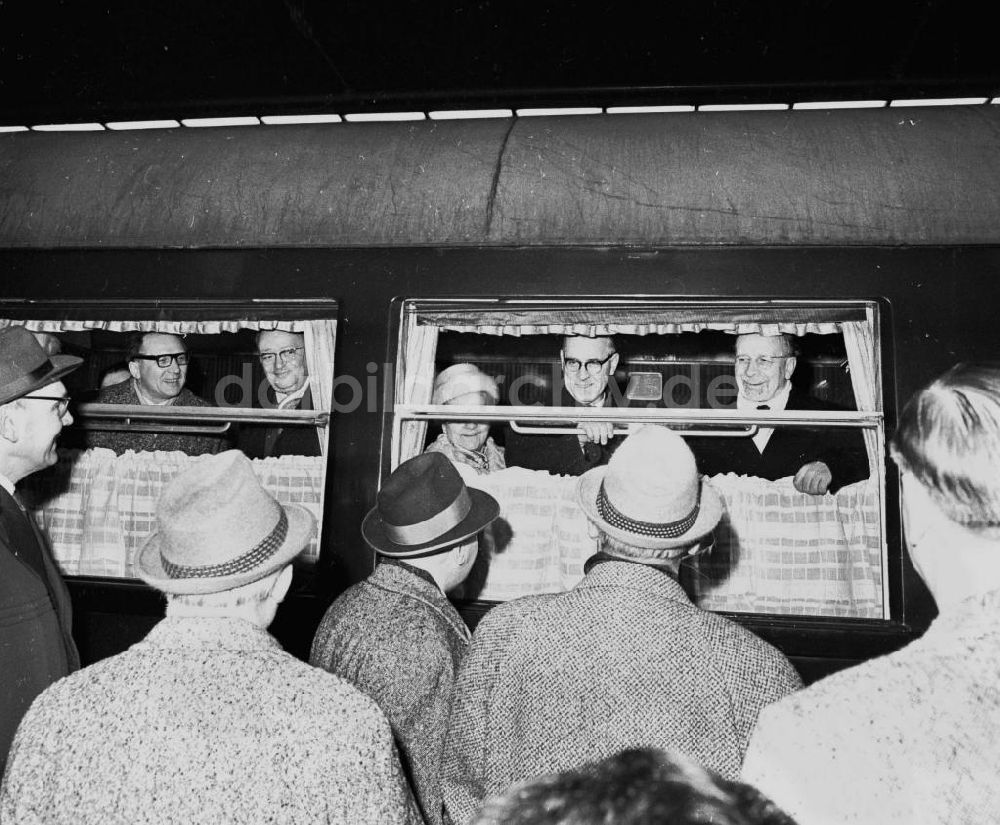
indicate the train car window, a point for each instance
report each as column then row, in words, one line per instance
column 159, row 391
column 782, row 549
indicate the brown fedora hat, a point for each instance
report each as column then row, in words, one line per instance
column 423, row 507
column 24, row 366
column 217, row 529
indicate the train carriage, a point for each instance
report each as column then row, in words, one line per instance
column 398, row 249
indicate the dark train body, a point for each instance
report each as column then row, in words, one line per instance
column 897, row 208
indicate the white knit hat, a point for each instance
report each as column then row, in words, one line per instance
column 650, row 495
column 462, row 379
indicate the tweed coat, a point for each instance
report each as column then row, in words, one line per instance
column 36, row 645
column 788, row 449
column 396, row 637
column 913, row 737
column 204, row 721
column 623, row 660
column 121, row 441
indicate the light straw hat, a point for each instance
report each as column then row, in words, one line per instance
column 650, row 495
column 217, row 529
column 462, row 379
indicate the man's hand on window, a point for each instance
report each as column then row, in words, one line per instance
column 813, row 478
column 597, row 432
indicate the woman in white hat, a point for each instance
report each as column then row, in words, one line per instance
column 467, row 442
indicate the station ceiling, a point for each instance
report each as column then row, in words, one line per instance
column 76, row 60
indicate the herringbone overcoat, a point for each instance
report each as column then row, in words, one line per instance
column 623, row 660
column 396, row 637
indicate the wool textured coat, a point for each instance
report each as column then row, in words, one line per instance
column 623, row 660
column 788, row 449
column 913, row 737
column 120, row 441
column 36, row 645
column 397, row 638
column 204, row 721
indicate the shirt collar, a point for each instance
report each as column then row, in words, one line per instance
column 7, row 484
column 283, row 399
column 776, row 404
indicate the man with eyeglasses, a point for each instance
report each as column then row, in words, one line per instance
column 588, row 368
column 819, row 460
column 36, row 647
column 158, row 365
column 283, row 358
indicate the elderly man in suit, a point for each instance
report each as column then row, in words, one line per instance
column 588, row 369
column 283, row 357
column 158, row 366
column 395, row 635
column 36, row 647
column 913, row 737
column 622, row 660
column 208, row 720
column 819, row 461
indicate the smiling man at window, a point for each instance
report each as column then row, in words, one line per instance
column 283, row 358
column 158, row 366
column 588, row 368
column 819, row 460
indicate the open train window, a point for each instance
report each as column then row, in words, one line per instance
column 98, row 502
column 778, row 551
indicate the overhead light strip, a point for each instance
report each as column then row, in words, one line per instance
column 14, row 129
column 559, row 111
column 287, row 120
column 840, row 104
column 68, row 127
column 382, row 117
column 743, row 107
column 125, row 125
column 939, row 101
column 643, row 110
column 207, row 122
column 470, row 114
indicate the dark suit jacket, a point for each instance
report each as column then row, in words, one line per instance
column 842, row 450
column 262, row 442
column 559, row 454
column 36, row 646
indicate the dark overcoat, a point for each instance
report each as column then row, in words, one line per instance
column 36, row 646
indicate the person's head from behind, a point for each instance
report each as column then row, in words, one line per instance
column 634, row 787
column 34, row 403
column 764, row 365
column 649, row 504
column 158, row 361
column 588, row 363
column 465, row 385
column 947, row 447
column 426, row 516
column 223, row 545
column 283, row 357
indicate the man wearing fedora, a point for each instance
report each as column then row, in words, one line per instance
column 36, row 647
column 208, row 720
column 624, row 659
column 395, row 635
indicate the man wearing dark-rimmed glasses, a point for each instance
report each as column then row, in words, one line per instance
column 158, row 366
column 588, row 366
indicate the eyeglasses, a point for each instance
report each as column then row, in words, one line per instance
column 593, row 365
column 761, row 362
column 61, row 406
column 166, row 359
column 290, row 354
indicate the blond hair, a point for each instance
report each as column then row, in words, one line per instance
column 948, row 438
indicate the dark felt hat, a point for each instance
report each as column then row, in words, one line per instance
column 24, row 366
column 423, row 507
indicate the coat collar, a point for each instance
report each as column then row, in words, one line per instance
column 634, row 575
column 416, row 584
column 218, row 634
